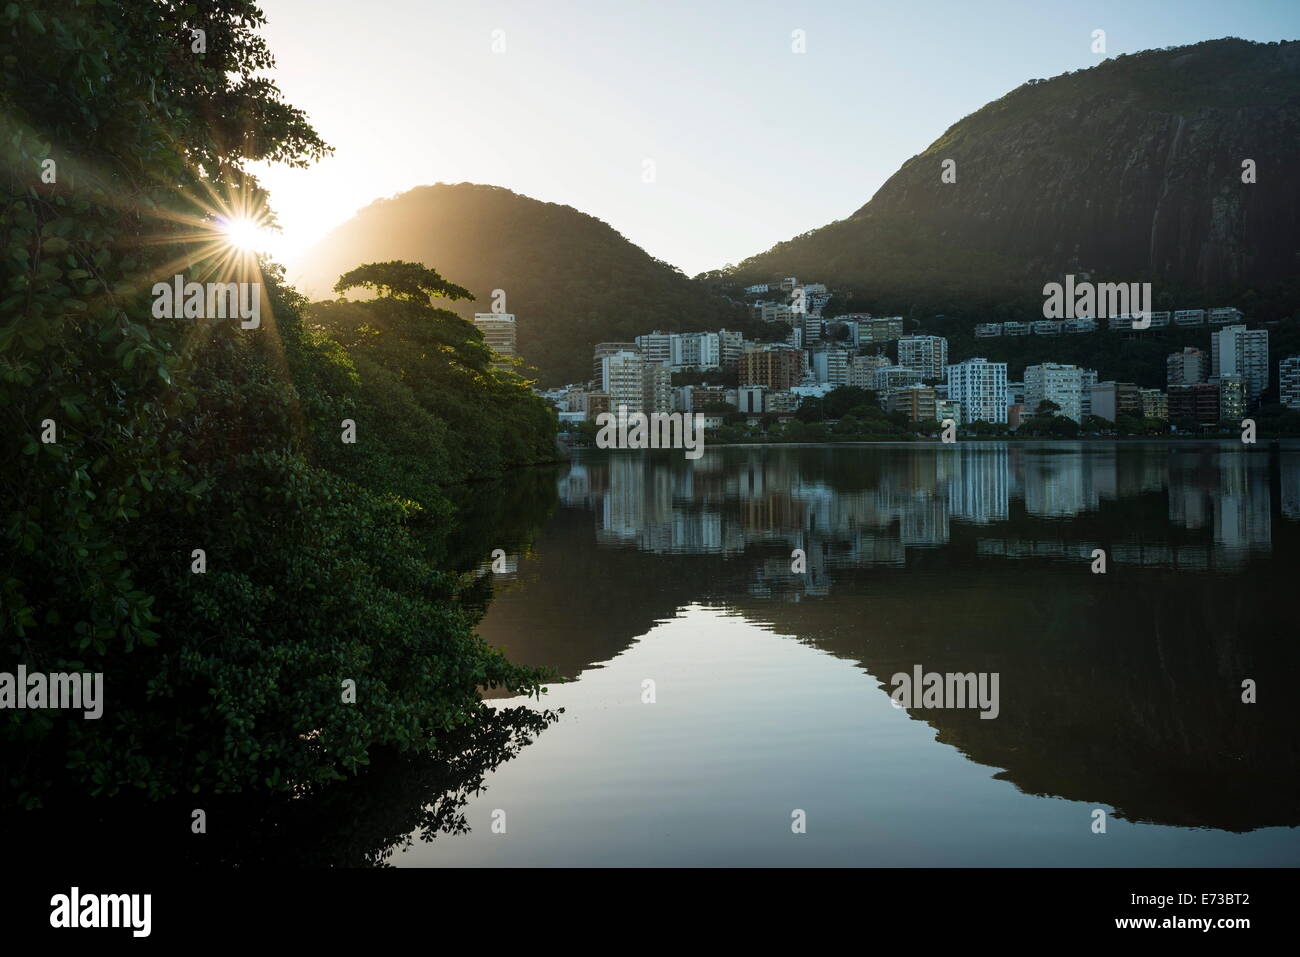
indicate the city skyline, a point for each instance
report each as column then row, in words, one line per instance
column 1208, row 387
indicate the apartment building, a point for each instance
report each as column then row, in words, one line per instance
column 603, row 349
column 981, row 388
column 831, row 365
column 1112, row 399
column 862, row 370
column 1288, row 374
column 656, row 347
column 775, row 365
column 499, row 332
column 1155, row 404
column 730, row 346
column 656, row 387
column 749, row 399
column 884, row 329
column 1057, row 383
column 887, row 379
column 1199, row 402
column 1087, row 379
column 621, row 377
column 781, row 402
column 1187, row 367
column 917, row 401
column 1236, row 350
column 1232, row 396
column 774, row 312
column 927, row 354
column 1224, row 315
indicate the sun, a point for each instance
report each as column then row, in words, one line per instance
column 245, row 233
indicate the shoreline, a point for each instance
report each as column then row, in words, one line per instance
column 1262, row 443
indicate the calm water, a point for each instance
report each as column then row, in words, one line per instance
column 1119, row 691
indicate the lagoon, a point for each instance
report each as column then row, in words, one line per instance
column 712, row 694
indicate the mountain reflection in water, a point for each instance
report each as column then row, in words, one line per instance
column 1121, row 690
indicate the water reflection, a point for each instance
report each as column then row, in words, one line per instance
column 880, row 502
column 1121, row 690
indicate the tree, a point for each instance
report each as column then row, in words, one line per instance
column 847, row 425
column 982, row 427
column 411, row 282
column 811, row 409
column 843, row 398
column 189, row 440
column 1128, row 425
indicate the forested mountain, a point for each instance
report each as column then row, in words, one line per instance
column 570, row 279
column 1131, row 170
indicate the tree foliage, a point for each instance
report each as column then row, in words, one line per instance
column 182, row 434
column 410, row 282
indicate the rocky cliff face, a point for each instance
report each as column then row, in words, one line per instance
column 1131, row 171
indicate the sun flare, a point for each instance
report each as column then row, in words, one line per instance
column 245, row 233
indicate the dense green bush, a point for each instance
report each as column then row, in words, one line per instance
column 436, row 361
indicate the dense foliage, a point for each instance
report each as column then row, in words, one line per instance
column 428, row 363
column 223, row 671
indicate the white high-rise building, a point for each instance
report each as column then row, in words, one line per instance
column 696, row 350
column 1053, row 382
column 889, row 378
column 831, row 365
column 621, row 379
column 749, row 398
column 656, row 387
column 981, row 388
column 1236, row 350
column 730, row 345
column 656, row 346
column 927, row 354
column 862, row 370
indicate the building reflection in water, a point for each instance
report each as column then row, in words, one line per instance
column 871, row 506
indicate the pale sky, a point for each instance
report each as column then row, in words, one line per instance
column 751, row 143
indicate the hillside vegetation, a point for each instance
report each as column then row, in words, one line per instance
column 1130, row 170
column 570, row 279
